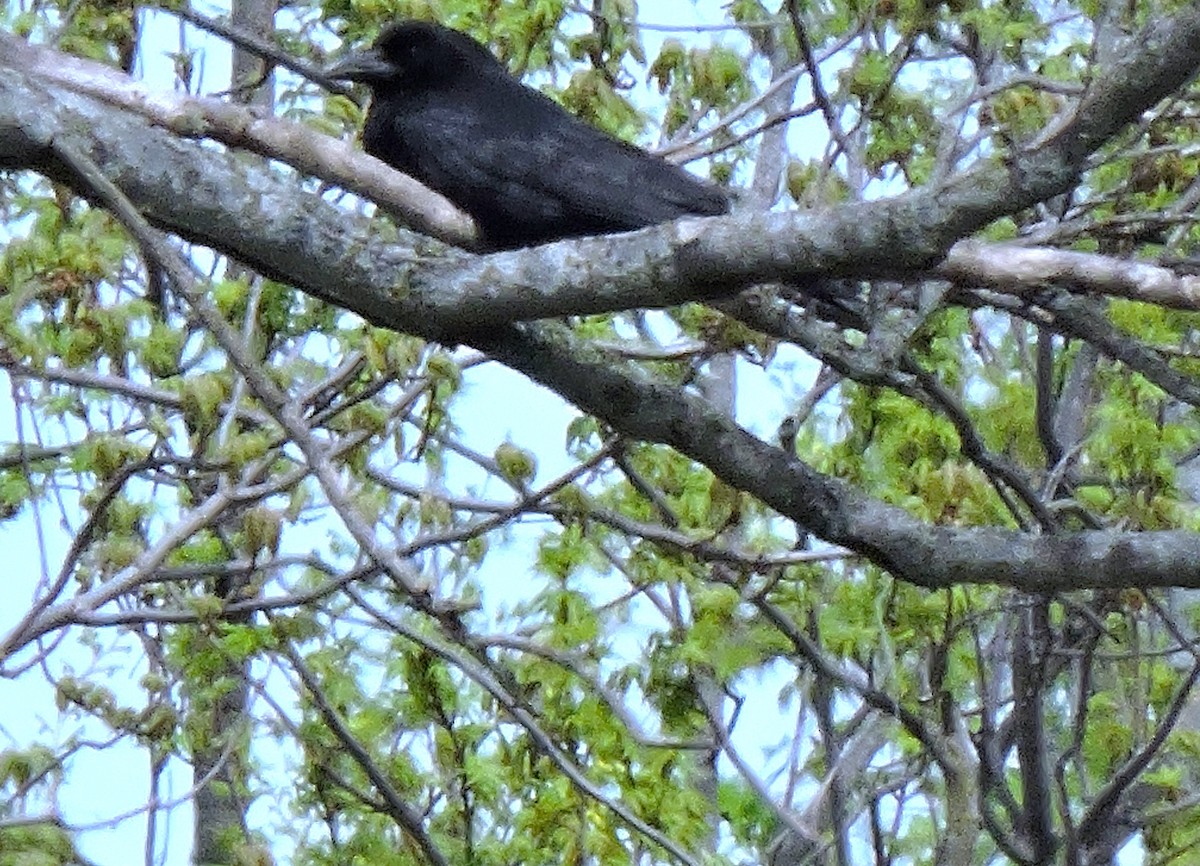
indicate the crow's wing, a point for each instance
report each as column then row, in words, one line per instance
column 528, row 171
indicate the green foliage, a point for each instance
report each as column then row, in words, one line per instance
column 26, row 767
column 1109, row 737
column 591, row 96
column 36, row 845
column 14, row 491
column 516, row 465
column 562, row 555
column 746, row 813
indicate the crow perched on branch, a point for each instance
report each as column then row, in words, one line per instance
column 446, row 112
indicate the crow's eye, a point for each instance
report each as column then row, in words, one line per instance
column 411, row 52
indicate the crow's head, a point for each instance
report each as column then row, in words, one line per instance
column 417, row 55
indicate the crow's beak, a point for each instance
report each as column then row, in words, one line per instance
column 367, row 66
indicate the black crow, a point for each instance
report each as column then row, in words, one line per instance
column 448, row 113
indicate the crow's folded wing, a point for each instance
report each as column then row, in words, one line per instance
column 530, row 172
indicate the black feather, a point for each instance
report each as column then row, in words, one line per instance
column 446, row 112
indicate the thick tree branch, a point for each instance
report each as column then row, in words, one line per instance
column 242, row 127
column 1024, row 271
column 932, row 556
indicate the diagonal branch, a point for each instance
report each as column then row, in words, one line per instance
column 404, row 814
column 931, row 556
column 241, row 127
